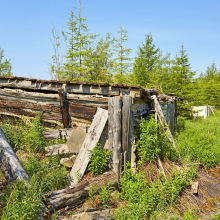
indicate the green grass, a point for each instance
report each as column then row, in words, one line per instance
column 23, row 202
column 199, row 141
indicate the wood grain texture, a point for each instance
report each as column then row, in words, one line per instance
column 65, row 197
column 64, row 109
column 92, row 137
column 126, row 128
column 114, row 129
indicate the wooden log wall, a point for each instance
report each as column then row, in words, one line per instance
column 29, row 97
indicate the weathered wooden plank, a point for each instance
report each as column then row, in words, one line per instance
column 114, row 129
column 64, row 109
column 126, row 128
column 89, row 143
column 9, row 163
column 73, row 195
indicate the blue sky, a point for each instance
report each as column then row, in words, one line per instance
column 26, row 28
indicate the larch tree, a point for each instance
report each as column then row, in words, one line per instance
column 146, row 61
column 79, row 47
column 122, row 62
column 102, row 60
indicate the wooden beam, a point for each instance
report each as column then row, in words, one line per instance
column 64, row 109
column 126, row 128
column 115, row 130
column 89, row 143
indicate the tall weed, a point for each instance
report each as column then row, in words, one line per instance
column 23, row 201
column 153, row 142
column 199, row 141
column 146, row 200
column 98, row 159
column 27, row 135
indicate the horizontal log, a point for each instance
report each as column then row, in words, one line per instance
column 58, row 199
column 59, row 133
column 70, row 87
column 57, row 149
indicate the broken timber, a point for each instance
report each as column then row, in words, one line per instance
column 77, row 194
column 89, row 143
column 29, row 97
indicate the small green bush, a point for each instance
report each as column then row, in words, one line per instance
column 49, row 173
column 105, row 195
column 98, row 159
column 153, row 142
column 147, row 200
column 23, row 202
column 27, row 135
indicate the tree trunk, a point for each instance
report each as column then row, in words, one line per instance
column 70, row 196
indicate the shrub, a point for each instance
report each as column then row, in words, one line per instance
column 27, row 135
column 49, row 173
column 98, row 159
column 146, row 200
column 153, row 142
column 105, row 195
column 23, row 202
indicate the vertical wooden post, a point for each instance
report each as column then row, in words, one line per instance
column 64, row 109
column 114, row 130
column 126, row 128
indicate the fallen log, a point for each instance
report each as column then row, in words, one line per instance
column 73, row 195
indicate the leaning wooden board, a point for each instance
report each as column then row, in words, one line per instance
column 89, row 143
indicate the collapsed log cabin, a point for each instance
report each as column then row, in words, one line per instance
column 74, row 104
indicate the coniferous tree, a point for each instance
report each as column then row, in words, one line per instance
column 146, row 61
column 5, row 65
column 122, row 62
column 180, row 81
column 79, row 40
column 102, row 61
